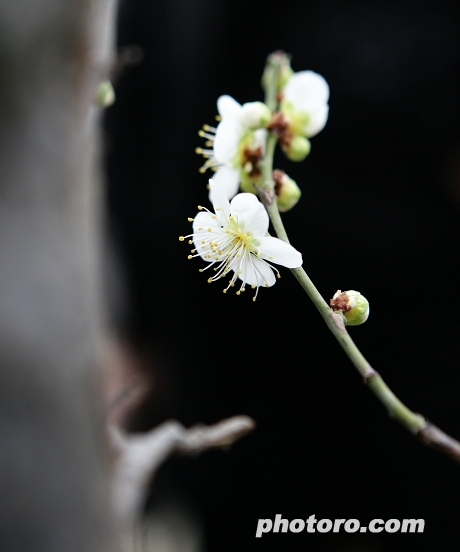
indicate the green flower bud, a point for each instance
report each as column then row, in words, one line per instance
column 255, row 115
column 353, row 305
column 105, row 95
column 285, row 71
column 247, row 181
column 297, row 148
column 287, row 191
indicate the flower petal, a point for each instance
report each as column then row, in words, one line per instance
column 204, row 221
column 317, row 121
column 228, row 134
column 261, row 137
column 256, row 272
column 250, row 214
column 307, row 90
column 228, row 107
column 219, row 199
column 228, row 179
column 280, row 252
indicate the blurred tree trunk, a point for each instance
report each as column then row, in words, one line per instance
column 53, row 467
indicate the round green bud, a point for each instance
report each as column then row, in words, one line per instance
column 297, row 149
column 287, row 191
column 255, row 115
column 247, row 182
column 285, row 71
column 105, row 95
column 359, row 312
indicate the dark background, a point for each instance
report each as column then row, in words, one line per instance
column 379, row 213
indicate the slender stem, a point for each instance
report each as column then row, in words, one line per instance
column 415, row 423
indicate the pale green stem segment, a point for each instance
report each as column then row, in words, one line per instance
column 396, row 409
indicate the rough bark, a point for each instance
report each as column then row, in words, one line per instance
column 53, row 466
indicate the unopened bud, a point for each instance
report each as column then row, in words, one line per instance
column 353, row 305
column 255, row 115
column 297, row 148
column 283, row 63
column 286, row 189
column 247, row 182
column 105, row 95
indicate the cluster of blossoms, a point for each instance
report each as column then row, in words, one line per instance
column 234, row 238
column 235, row 148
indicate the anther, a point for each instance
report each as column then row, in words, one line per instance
column 202, row 170
column 206, row 127
column 278, row 275
column 209, row 280
column 209, row 229
column 190, row 242
column 200, row 208
column 238, row 293
column 225, row 291
column 254, row 299
column 253, row 286
column 217, row 117
column 199, row 151
column 193, row 250
column 190, row 219
column 181, row 238
column 201, row 133
column 190, row 257
column 213, row 216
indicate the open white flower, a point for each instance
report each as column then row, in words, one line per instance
column 236, row 149
column 234, row 238
column 304, row 103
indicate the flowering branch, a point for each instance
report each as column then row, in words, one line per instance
column 415, row 423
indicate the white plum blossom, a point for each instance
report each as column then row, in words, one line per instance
column 234, row 238
column 305, row 103
column 236, row 147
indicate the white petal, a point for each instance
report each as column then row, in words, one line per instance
column 228, row 179
column 257, row 272
column 204, row 221
column 228, row 107
column 219, row 199
column 250, row 214
column 280, row 252
column 228, row 134
column 261, row 138
column 317, row 121
column 307, row 90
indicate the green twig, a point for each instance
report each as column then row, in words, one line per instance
column 415, row 423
